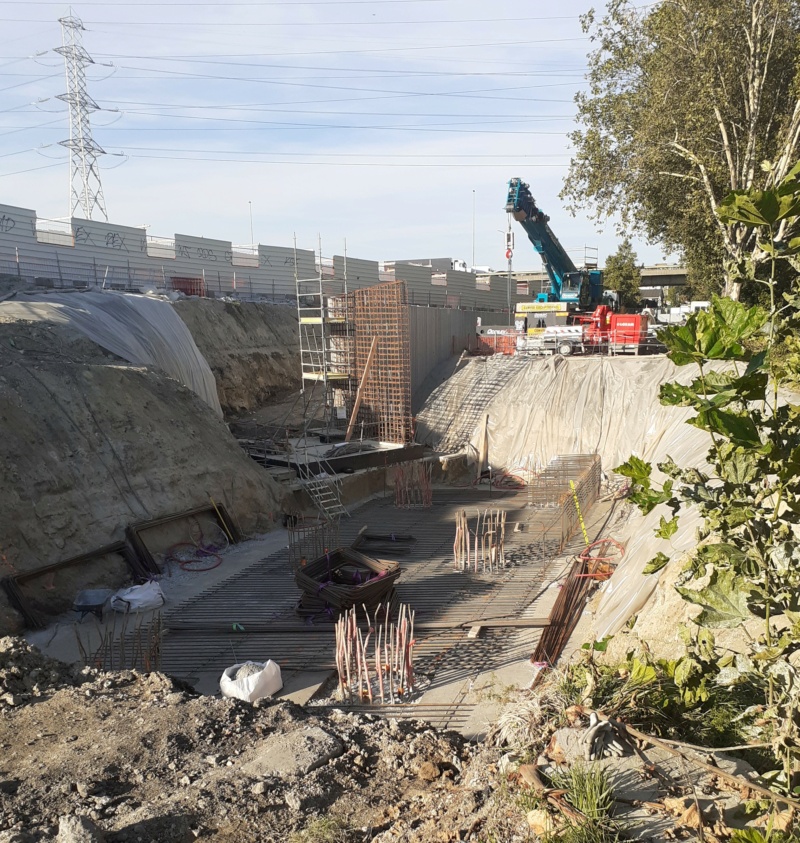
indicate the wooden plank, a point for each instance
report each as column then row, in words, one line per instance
column 360, row 393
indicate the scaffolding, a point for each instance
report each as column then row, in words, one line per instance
column 326, row 351
column 355, row 338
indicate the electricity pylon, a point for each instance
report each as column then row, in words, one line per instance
column 85, row 189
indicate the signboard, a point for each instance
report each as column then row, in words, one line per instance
column 542, row 306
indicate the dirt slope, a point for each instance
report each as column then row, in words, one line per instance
column 90, row 444
column 252, row 350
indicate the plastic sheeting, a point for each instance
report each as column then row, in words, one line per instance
column 539, row 408
column 142, row 330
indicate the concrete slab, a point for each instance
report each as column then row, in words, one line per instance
column 294, row 754
column 64, row 639
column 301, row 685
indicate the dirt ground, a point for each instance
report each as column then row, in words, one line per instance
column 145, row 759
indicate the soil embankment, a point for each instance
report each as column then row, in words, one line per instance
column 91, row 444
column 252, row 350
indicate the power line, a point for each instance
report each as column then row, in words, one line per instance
column 293, row 127
column 258, row 4
column 267, row 107
column 345, row 154
column 330, row 163
column 311, row 24
column 32, row 170
column 474, row 94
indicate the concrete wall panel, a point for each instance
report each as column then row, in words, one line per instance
column 17, row 224
column 358, row 272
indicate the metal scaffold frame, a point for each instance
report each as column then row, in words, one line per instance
column 326, row 350
column 359, row 337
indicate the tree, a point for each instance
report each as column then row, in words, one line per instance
column 748, row 490
column 623, row 275
column 686, row 99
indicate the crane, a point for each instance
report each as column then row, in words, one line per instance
column 583, row 287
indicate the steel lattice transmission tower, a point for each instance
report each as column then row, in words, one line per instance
column 86, row 192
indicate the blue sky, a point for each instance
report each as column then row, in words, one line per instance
column 382, row 122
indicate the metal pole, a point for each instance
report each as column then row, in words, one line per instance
column 473, row 231
column 508, row 292
column 252, row 239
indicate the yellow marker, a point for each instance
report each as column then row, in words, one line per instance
column 580, row 515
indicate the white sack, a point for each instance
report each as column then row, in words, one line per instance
column 251, row 688
column 138, row 598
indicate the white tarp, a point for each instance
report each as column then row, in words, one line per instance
column 144, row 331
column 542, row 407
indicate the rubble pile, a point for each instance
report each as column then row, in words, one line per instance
column 141, row 757
column 25, row 673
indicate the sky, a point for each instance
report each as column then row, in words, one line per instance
column 389, row 127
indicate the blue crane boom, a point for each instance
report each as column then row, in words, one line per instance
column 567, row 282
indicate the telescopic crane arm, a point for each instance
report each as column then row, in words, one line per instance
column 567, row 282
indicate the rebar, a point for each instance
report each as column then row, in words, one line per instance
column 392, row 656
column 413, row 486
column 489, row 536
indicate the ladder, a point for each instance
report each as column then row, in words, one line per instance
column 324, row 491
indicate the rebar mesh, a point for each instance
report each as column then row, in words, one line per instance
column 382, row 311
column 552, row 490
column 308, row 540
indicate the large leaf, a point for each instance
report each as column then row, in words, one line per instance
column 677, row 395
column 740, row 322
column 738, row 465
column 737, row 427
column 667, row 529
column 750, row 386
column 641, row 672
column 656, row 563
column 681, row 343
column 759, row 207
column 713, row 335
column 637, row 469
column 724, row 600
column 686, row 669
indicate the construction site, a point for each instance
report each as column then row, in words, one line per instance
column 349, row 516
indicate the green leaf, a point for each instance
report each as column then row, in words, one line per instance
column 680, row 342
column 721, row 554
column 737, row 427
column 641, row 673
column 597, row 646
column 757, row 362
column 656, row 563
column 638, row 470
column 748, row 835
column 748, row 387
column 724, row 600
column 667, row 529
column 740, row 322
column 759, row 207
column 686, row 668
column 706, row 644
column 677, row 395
column 738, row 465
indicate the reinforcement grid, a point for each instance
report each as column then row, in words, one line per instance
column 382, row 311
column 251, row 615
